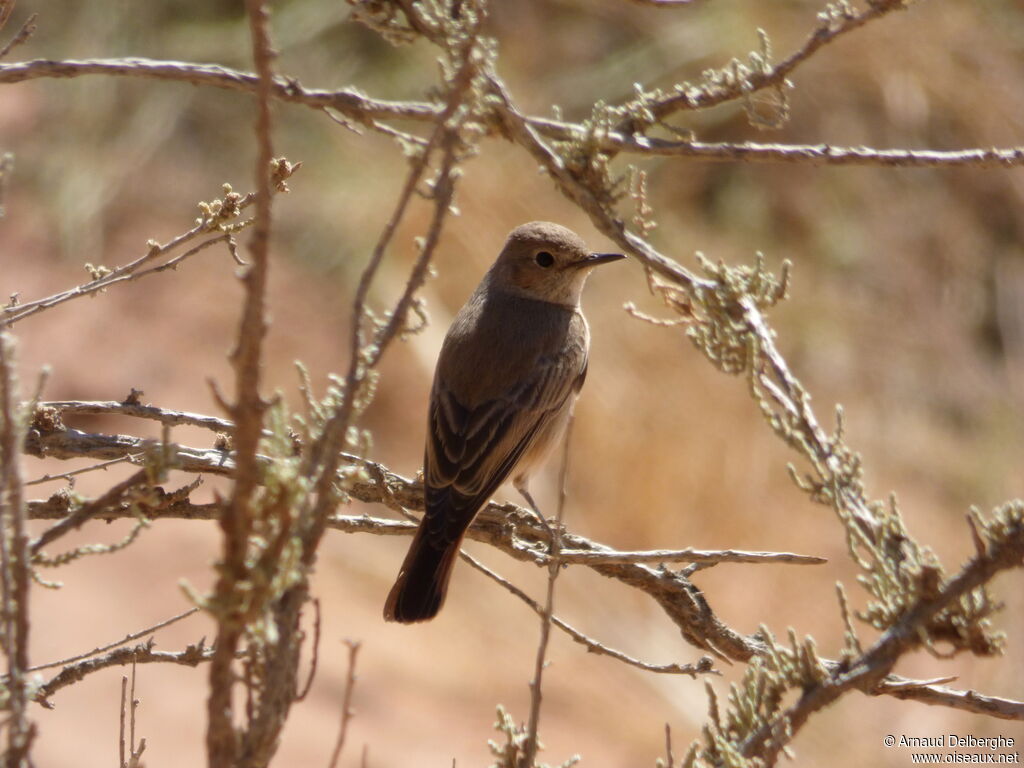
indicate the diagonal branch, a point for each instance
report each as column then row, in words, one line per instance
column 831, row 26
column 866, row 672
column 111, row 498
column 133, row 270
column 703, row 666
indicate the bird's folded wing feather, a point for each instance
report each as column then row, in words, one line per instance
column 470, row 452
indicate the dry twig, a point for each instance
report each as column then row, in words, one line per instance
column 346, row 703
column 143, row 653
column 703, row 666
column 126, row 639
column 531, row 743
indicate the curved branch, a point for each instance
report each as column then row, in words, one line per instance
column 348, row 101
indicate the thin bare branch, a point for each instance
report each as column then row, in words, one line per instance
column 109, row 646
column 830, row 27
column 665, row 3
column 369, row 111
column 21, row 36
column 104, row 465
column 703, row 666
column 346, row 703
column 105, row 278
column 366, row 350
column 941, row 696
column 120, row 742
column 547, row 613
column 143, row 653
column 314, row 654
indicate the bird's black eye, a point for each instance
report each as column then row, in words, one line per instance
column 544, row 259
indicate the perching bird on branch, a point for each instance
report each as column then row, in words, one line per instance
column 509, row 371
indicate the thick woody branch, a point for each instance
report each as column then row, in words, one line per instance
column 15, row 570
column 516, row 532
column 75, row 444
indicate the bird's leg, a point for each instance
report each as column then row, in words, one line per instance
column 520, row 485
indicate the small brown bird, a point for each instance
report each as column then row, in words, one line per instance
column 508, row 374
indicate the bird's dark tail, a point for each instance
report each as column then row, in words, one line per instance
column 422, row 582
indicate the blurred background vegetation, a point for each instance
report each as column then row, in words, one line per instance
column 907, row 306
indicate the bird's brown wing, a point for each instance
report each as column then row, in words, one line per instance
column 470, row 452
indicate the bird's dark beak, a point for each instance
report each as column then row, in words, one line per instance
column 595, row 259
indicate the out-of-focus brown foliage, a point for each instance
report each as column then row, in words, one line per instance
column 906, row 307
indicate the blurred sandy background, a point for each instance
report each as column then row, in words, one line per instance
column 906, row 308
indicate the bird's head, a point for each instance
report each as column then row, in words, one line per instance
column 546, row 261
